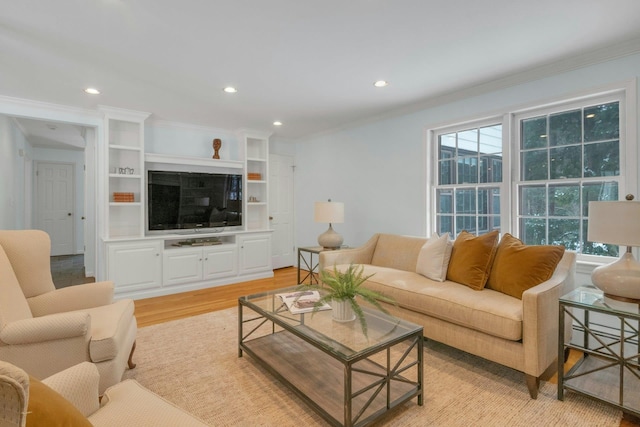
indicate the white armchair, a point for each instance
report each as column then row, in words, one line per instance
column 74, row 400
column 44, row 330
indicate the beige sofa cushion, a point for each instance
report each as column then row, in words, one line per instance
column 487, row 311
column 399, row 252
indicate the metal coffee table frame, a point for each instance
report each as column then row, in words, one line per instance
column 289, row 331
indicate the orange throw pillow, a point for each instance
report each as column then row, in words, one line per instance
column 518, row 267
column 48, row 408
column 471, row 259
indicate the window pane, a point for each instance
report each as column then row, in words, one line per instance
column 488, row 199
column 465, row 222
column 468, row 142
column 534, row 133
column 534, row 165
column 467, row 170
column 466, row 201
column 533, row 231
column 491, row 140
column 602, row 122
column 490, row 169
column 533, row 200
column 565, row 128
column 602, row 159
column 564, row 200
column 446, row 146
column 598, row 191
column 445, row 201
column 566, row 162
column 445, row 225
column 447, row 172
column 565, row 232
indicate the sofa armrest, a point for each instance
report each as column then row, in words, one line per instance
column 540, row 317
column 78, row 297
column 79, row 385
column 46, row 328
column 359, row 255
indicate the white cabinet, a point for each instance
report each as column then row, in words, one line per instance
column 220, row 261
column 255, row 253
column 135, row 266
column 185, row 265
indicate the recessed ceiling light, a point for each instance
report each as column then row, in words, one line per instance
column 230, row 89
column 277, row 123
column 92, row 91
column 381, row 83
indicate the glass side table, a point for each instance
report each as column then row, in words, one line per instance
column 605, row 330
column 306, row 259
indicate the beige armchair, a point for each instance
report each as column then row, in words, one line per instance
column 70, row 397
column 45, row 330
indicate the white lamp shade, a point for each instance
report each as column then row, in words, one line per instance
column 329, row 212
column 615, row 223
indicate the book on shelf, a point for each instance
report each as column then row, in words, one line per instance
column 302, row 301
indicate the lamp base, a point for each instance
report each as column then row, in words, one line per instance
column 330, row 239
column 620, row 279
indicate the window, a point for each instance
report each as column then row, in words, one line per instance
column 567, row 159
column 538, row 182
column 469, row 178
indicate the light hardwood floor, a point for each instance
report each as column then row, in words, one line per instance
column 151, row 311
column 156, row 310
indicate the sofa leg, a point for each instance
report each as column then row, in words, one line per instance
column 130, row 361
column 533, row 383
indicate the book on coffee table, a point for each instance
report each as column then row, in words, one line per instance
column 302, row 301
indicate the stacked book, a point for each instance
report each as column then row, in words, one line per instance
column 123, row 197
column 254, row 176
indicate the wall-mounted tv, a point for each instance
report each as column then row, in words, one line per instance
column 193, row 201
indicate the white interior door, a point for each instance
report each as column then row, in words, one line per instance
column 281, row 210
column 55, row 200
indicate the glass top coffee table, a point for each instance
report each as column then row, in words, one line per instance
column 346, row 377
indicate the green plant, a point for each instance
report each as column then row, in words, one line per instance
column 346, row 286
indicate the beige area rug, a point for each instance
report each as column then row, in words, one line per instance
column 194, row 363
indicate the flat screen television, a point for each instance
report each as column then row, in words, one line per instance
column 192, row 201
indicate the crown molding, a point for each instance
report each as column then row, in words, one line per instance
column 26, row 108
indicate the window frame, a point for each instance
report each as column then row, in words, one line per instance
column 624, row 94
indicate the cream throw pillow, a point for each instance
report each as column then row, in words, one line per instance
column 433, row 259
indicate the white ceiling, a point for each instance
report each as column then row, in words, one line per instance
column 308, row 63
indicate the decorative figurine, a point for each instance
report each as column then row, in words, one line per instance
column 217, row 143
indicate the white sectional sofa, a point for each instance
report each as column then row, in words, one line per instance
column 519, row 333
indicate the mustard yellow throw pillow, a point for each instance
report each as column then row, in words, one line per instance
column 518, row 267
column 47, row 408
column 471, row 259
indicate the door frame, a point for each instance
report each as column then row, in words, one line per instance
column 94, row 122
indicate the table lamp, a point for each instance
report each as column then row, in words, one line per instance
column 617, row 223
column 332, row 213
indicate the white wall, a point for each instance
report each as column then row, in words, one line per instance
column 188, row 140
column 12, row 174
column 378, row 169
